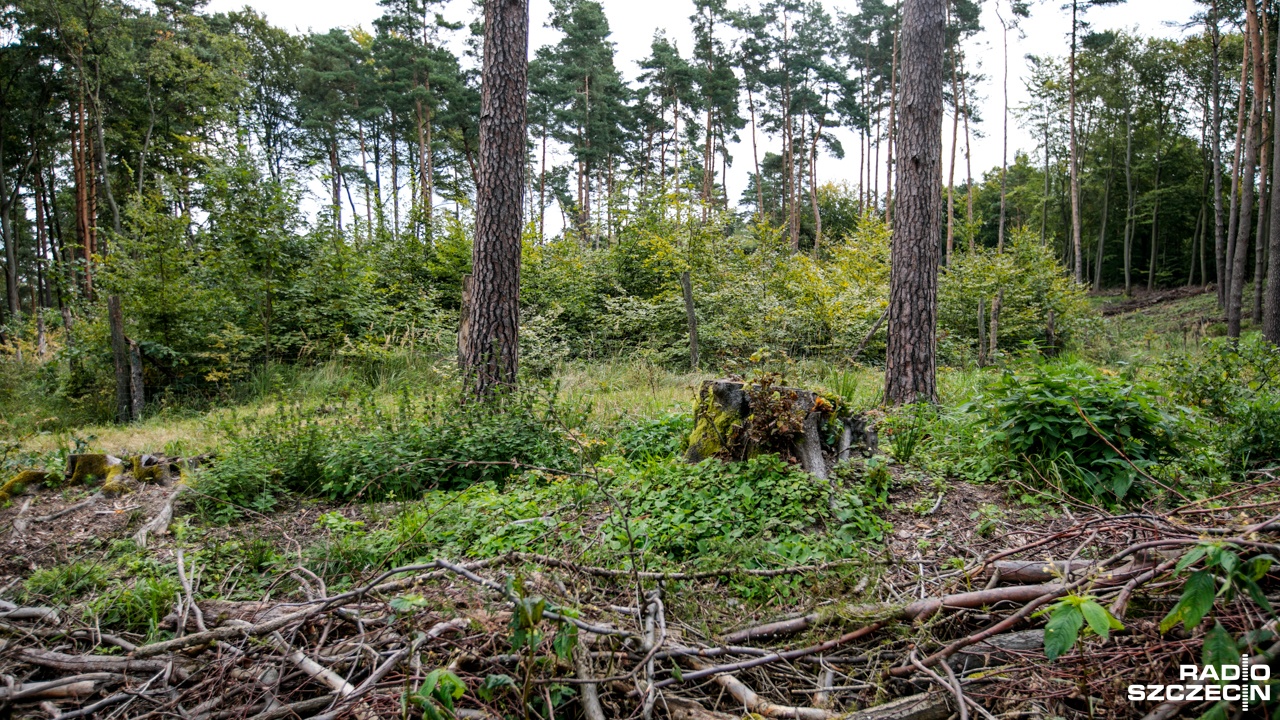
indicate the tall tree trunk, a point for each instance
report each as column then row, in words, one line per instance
column 492, row 353
column 10, row 242
column 105, row 169
column 686, row 287
column 1233, row 221
column 968, row 161
column 1219, row 241
column 1260, row 247
column 120, row 353
column 1248, row 168
column 335, row 183
column 542, row 189
column 910, row 370
column 1271, row 306
column 1155, row 224
column 1129, row 220
column 1074, row 159
column 951, row 176
column 893, row 133
column 1044, row 202
column 1004, row 164
column 1102, row 231
column 755, row 156
column 813, row 186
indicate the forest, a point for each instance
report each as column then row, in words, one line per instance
column 413, row 369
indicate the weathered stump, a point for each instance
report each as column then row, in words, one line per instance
column 734, row 420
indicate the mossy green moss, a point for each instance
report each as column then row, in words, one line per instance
column 717, row 416
column 87, row 468
column 157, row 472
column 20, row 482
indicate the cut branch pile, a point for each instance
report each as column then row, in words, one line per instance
column 924, row 641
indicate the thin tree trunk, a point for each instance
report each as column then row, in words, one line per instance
column 1004, row 165
column 120, row 351
column 1129, row 220
column 686, row 286
column 893, row 133
column 1044, row 203
column 1074, row 159
column 1102, row 232
column 755, row 156
column 994, row 335
column 1155, row 224
column 1249, row 167
column 951, row 177
column 1271, row 307
column 492, row 352
column 910, row 370
column 813, row 187
column 1219, row 241
column 1233, row 221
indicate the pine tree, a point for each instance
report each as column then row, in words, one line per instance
column 491, row 351
column 910, row 370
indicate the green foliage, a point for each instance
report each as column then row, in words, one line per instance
column 437, row 694
column 365, row 450
column 1071, row 614
column 63, row 584
column 660, row 437
column 750, row 511
column 1041, row 414
column 906, row 428
column 1224, row 575
column 1035, row 287
column 1233, row 385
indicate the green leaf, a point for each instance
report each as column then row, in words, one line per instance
column 1061, row 631
column 1195, row 603
column 1099, row 619
column 565, row 640
column 1191, row 557
column 1219, row 648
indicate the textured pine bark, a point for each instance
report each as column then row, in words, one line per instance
column 493, row 316
column 913, row 281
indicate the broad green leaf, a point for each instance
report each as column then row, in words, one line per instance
column 1061, row 631
column 1219, row 648
column 1196, row 601
column 1099, row 619
column 1191, row 557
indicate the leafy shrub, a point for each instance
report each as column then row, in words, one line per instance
column 64, row 583
column 663, row 436
column 368, row 452
column 1236, row 385
column 1034, row 285
column 749, row 510
column 1039, row 415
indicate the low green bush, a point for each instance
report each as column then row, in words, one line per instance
column 1235, row 386
column 664, row 436
column 748, row 512
column 1091, row 430
column 367, row 451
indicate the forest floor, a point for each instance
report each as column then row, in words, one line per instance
column 581, row 595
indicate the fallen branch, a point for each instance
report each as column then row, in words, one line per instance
column 159, row 525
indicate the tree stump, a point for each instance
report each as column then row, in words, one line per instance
column 735, row 420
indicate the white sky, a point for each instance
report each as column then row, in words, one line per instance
column 635, row 21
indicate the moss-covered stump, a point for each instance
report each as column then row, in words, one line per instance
column 153, row 469
column 18, row 484
column 734, row 420
column 83, row 469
